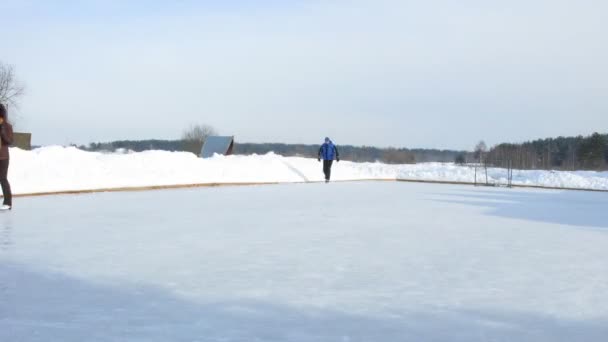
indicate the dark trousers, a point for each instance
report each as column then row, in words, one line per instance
column 327, row 168
column 6, row 187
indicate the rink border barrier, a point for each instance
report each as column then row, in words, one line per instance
column 238, row 184
column 140, row 188
column 521, row 186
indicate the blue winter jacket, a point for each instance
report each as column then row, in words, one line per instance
column 329, row 151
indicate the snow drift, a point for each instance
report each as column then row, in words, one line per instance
column 56, row 168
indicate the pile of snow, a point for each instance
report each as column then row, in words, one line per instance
column 58, row 168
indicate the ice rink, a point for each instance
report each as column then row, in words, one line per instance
column 370, row 261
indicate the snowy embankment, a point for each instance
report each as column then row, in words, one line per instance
column 55, row 168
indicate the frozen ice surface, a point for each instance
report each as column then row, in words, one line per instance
column 312, row 262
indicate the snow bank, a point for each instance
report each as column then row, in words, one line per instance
column 58, row 168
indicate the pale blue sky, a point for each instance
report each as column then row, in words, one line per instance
column 435, row 73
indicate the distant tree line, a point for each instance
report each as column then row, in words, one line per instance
column 563, row 153
column 136, row 145
column 347, row 152
column 353, row 153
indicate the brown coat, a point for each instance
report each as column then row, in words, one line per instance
column 6, row 139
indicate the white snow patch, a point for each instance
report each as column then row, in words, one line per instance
column 57, row 168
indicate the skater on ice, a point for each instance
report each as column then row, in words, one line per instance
column 6, row 139
column 328, row 152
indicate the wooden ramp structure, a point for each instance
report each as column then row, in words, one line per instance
column 222, row 145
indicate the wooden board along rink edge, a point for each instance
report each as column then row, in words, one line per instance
column 139, row 188
column 214, row 185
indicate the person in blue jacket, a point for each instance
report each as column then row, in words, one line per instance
column 328, row 152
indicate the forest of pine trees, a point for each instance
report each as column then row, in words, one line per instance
column 563, row 153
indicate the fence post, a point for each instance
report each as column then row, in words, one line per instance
column 485, row 165
column 475, row 174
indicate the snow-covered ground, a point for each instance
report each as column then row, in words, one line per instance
column 362, row 261
column 57, row 168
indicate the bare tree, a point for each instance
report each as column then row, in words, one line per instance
column 194, row 137
column 480, row 149
column 10, row 88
